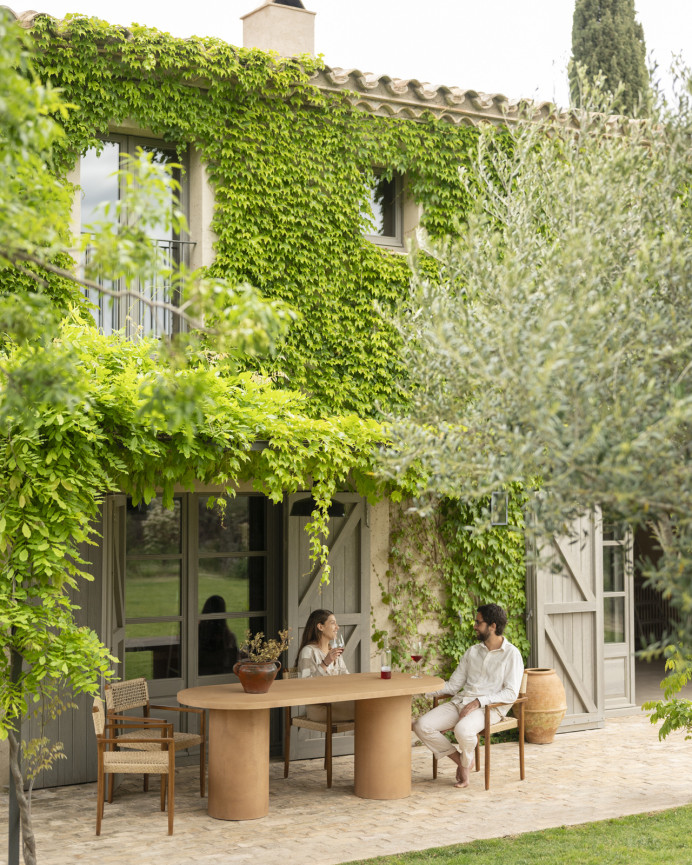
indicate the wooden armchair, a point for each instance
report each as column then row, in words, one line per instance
column 158, row 759
column 134, row 694
column 507, row 723
column 327, row 727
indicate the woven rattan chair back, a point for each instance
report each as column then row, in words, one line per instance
column 99, row 717
column 130, row 694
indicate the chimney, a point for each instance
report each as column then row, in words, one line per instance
column 284, row 26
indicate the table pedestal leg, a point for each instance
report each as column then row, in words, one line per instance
column 382, row 764
column 238, row 764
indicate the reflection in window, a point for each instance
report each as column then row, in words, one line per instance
column 153, row 650
column 384, row 207
column 231, row 579
column 153, row 590
column 100, row 186
column 614, row 620
column 613, row 569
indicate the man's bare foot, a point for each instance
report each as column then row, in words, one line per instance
column 463, row 776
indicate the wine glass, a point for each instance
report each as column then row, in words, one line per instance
column 337, row 642
column 417, row 655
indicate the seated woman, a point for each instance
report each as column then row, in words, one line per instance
column 315, row 658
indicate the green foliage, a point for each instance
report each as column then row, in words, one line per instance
column 676, row 714
column 608, row 45
column 442, row 568
column 566, row 356
column 290, row 168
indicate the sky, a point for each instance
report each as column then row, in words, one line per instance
column 516, row 47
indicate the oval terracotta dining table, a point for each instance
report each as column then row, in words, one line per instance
column 239, row 735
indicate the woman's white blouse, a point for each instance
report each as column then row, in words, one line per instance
column 310, row 664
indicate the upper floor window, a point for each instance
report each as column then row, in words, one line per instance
column 101, row 184
column 385, row 209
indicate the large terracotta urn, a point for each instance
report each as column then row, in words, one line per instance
column 545, row 705
column 256, row 677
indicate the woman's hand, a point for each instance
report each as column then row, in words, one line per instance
column 331, row 656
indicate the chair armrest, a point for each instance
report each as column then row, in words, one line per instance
column 436, row 700
column 165, row 740
column 513, row 703
column 164, row 725
column 142, row 720
column 177, row 709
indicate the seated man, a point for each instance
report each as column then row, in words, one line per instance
column 489, row 672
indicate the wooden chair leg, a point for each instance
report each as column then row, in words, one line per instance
column 171, row 790
column 522, row 774
column 99, row 796
column 163, row 792
column 111, row 783
column 146, row 783
column 434, row 767
column 487, row 749
column 477, row 755
column 287, row 739
column 328, row 746
column 203, row 757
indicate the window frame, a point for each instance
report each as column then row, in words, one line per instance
column 125, row 312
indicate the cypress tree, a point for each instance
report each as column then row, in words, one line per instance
column 607, row 38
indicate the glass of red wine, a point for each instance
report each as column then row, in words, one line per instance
column 417, row 655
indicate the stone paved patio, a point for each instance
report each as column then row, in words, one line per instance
column 593, row 775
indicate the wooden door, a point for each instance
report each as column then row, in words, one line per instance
column 347, row 594
column 565, row 619
column 618, row 618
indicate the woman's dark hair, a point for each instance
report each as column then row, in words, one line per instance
column 493, row 614
column 311, row 634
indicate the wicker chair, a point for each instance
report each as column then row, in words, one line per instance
column 507, row 723
column 134, row 694
column 160, row 761
column 327, row 727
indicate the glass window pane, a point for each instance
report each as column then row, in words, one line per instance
column 96, row 177
column 162, row 156
column 613, row 569
column 152, row 588
column 382, row 206
column 237, row 528
column 218, row 644
column 614, row 620
column 153, row 529
column 233, row 585
column 153, row 650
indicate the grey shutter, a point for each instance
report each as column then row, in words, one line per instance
column 565, row 599
column 347, row 595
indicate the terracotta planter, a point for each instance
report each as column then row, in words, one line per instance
column 256, row 677
column 545, row 705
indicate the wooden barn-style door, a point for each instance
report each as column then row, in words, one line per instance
column 565, row 619
column 347, row 594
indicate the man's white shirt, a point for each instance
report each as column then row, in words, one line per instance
column 487, row 676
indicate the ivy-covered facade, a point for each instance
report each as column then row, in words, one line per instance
column 308, row 184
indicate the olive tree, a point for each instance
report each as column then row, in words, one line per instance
column 554, row 347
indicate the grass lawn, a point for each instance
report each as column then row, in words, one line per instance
column 645, row 839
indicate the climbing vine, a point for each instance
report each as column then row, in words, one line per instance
column 290, row 167
column 442, row 568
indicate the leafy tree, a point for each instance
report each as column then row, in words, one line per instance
column 558, row 347
column 608, row 44
column 82, row 414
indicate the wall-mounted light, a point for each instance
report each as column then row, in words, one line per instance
column 305, row 507
column 499, row 507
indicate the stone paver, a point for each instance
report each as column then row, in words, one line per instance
column 591, row 775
